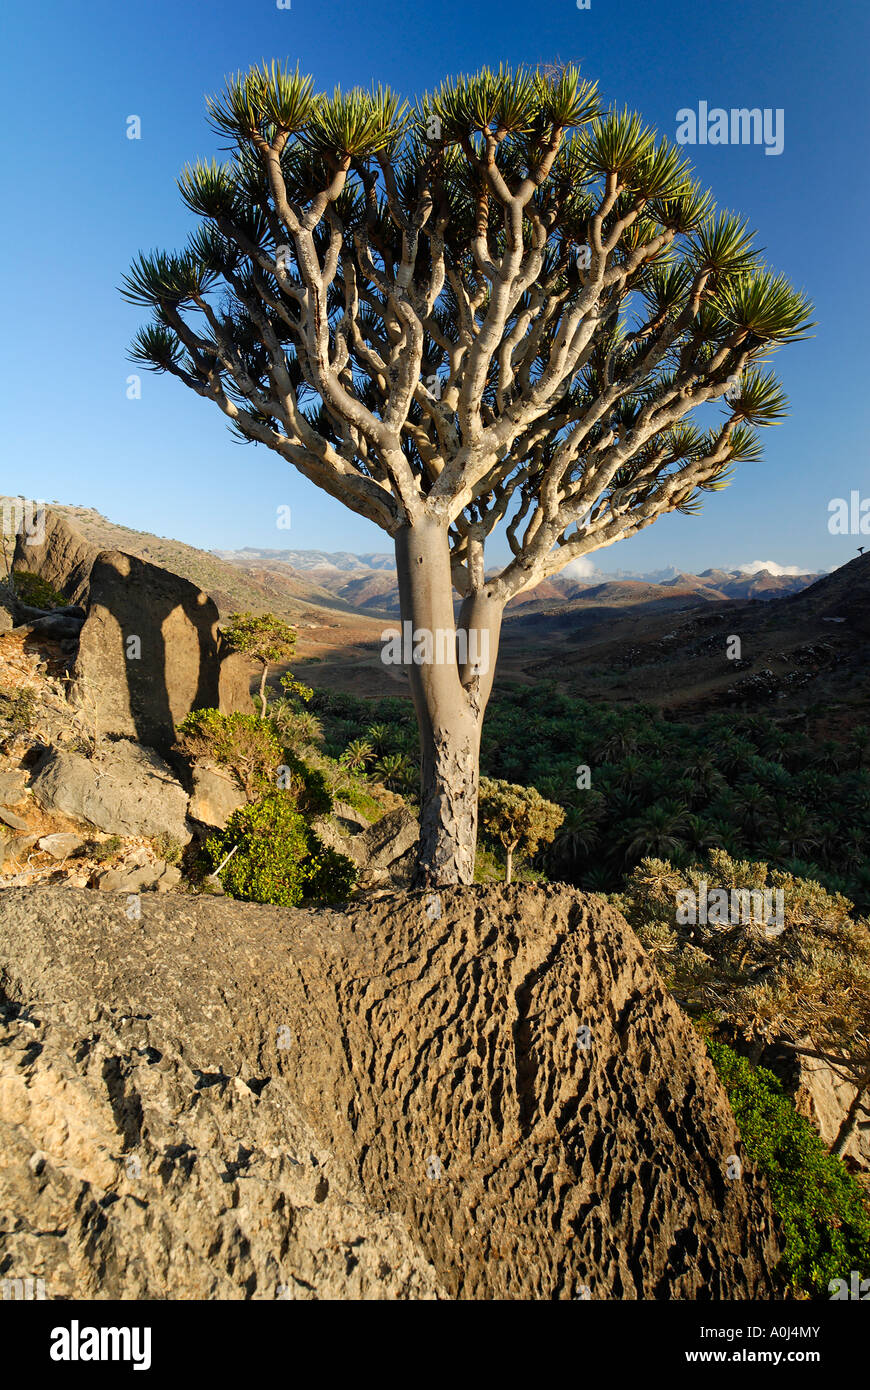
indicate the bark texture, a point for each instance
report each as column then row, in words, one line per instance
column 449, row 698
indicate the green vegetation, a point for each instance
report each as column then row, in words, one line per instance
column 278, row 857
column 36, row 592
column 17, row 711
column 166, row 847
column 519, row 818
column 819, row 1206
column 659, row 788
column 265, row 638
column 247, row 745
column 100, row 850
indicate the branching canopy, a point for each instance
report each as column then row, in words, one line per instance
column 498, row 306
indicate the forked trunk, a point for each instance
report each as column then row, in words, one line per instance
column 450, row 663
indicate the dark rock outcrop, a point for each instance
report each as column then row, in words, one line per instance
column 148, row 649
column 479, row 1093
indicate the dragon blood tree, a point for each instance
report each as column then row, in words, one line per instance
column 495, row 309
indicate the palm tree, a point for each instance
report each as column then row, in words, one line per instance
column 859, row 743
column 574, row 839
column 396, row 771
column 381, row 737
column 752, row 806
column 658, row 832
column 299, row 728
column 701, row 835
column 357, row 755
column 621, row 740
column 799, row 832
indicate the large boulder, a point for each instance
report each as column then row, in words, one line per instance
column 61, row 556
column 183, row 662
column 216, row 794
column 483, row 1092
column 126, row 790
column 148, row 652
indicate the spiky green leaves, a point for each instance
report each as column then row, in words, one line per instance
column 357, row 123
column 264, row 96
column 760, row 400
column 156, row 347
column 523, row 102
column 618, row 143
column 566, row 101
column 723, row 246
column 166, row 279
column 209, row 189
column 685, row 211
column 744, row 446
column 273, row 101
column 767, row 306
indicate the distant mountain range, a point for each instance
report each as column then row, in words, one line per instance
column 312, row 587
column 367, row 583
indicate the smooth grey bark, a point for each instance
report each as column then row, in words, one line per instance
column 263, row 690
column 449, row 698
column 850, row 1119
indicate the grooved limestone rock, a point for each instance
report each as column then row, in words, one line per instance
column 392, row 1100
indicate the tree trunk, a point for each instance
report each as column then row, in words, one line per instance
column 509, row 863
column 450, row 690
column 850, row 1119
column 263, row 690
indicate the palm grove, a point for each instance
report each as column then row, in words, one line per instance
column 495, row 309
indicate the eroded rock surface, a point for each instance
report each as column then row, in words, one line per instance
column 478, row 1093
column 127, row 790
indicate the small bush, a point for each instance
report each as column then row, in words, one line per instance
column 244, row 743
column 36, row 592
column 819, row 1206
column 17, row 710
column 166, row 847
column 100, row 850
column 279, row 857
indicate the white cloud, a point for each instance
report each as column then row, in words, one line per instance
column 582, row 568
column 771, row 566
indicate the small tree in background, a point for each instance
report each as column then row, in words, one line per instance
column 518, row 817
column 264, row 637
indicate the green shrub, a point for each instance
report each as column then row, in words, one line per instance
column 36, row 592
column 819, row 1206
column 279, row 857
column 17, row 710
column 244, row 743
column 166, row 847
column 100, row 850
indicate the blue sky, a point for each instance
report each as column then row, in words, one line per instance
column 86, row 199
